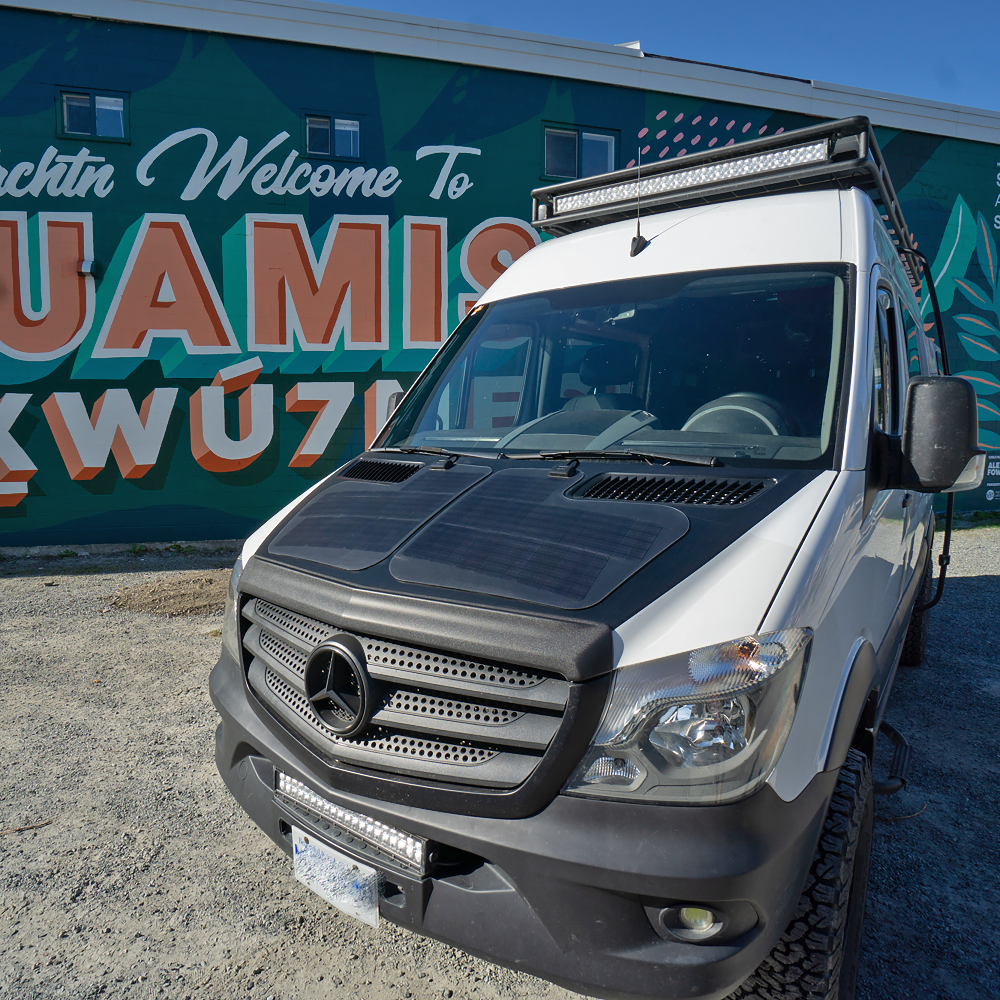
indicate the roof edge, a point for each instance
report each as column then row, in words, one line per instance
column 316, row 23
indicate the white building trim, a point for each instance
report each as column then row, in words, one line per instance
column 319, row 23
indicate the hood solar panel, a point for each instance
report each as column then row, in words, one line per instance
column 668, row 489
column 373, row 471
column 516, row 534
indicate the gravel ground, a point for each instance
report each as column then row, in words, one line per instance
column 146, row 880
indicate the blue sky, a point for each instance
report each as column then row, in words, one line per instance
column 947, row 51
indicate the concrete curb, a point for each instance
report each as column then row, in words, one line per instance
column 120, row 548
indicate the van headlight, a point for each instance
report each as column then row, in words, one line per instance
column 231, row 621
column 703, row 726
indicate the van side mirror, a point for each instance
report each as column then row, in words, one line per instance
column 940, row 441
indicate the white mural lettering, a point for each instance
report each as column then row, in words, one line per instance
column 59, row 175
column 268, row 178
column 455, row 190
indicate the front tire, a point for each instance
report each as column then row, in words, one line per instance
column 817, row 956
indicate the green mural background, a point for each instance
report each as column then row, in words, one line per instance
column 257, row 88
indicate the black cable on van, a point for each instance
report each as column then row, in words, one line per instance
column 945, row 558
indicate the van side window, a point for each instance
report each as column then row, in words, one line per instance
column 912, row 347
column 886, row 404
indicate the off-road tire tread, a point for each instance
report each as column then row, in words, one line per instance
column 914, row 650
column 805, row 963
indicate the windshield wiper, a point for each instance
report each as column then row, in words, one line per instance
column 632, row 454
column 428, row 450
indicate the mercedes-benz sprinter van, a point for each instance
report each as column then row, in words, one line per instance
column 580, row 666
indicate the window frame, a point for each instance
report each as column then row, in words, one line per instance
column 93, row 93
column 333, row 117
column 580, row 130
column 894, row 354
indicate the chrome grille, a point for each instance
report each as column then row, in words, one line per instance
column 421, row 704
column 440, row 716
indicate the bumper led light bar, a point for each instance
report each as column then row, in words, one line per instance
column 412, row 851
column 713, row 173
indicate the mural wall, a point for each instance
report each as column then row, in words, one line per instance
column 199, row 318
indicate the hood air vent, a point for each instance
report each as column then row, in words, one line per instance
column 666, row 489
column 373, row 471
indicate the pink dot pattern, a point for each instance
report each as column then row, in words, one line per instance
column 708, row 138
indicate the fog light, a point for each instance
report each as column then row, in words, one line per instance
column 694, row 918
column 693, row 924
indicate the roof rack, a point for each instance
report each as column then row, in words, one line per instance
column 840, row 154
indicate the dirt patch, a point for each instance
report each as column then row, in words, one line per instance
column 201, row 592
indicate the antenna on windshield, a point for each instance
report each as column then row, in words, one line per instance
column 639, row 242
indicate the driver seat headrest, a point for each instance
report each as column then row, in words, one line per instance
column 608, row 364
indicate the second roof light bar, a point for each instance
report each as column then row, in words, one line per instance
column 842, row 153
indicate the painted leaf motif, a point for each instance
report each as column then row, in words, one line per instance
column 987, row 411
column 974, row 293
column 953, row 256
column 984, row 383
column 981, row 350
column 977, row 325
column 988, row 439
column 986, row 250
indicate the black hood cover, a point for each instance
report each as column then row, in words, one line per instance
column 518, row 535
column 474, row 535
column 353, row 524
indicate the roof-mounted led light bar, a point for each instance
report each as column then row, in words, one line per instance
column 838, row 154
column 712, row 173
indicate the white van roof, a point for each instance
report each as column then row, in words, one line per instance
column 798, row 228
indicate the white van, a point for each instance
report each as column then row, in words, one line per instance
column 580, row 667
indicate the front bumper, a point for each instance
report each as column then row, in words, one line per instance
column 571, row 893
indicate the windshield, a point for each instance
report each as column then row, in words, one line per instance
column 740, row 365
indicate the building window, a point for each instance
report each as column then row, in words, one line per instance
column 346, row 138
column 93, row 114
column 317, row 136
column 572, row 153
column 339, row 137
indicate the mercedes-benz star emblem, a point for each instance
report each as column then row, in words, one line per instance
column 338, row 685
